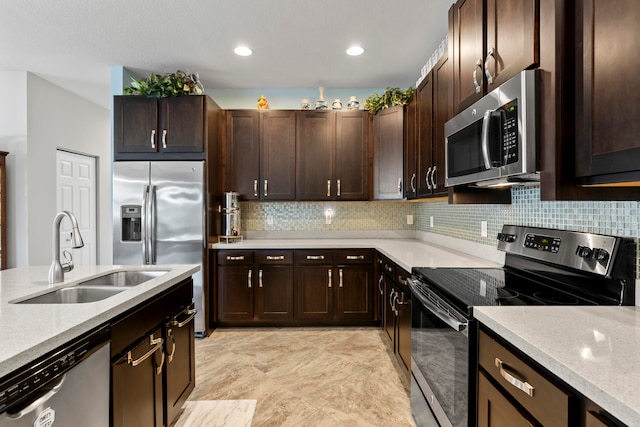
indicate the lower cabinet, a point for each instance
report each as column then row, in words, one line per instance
column 514, row 390
column 153, row 359
column 396, row 319
column 292, row 287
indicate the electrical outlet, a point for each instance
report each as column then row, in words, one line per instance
column 328, row 215
column 409, row 219
column 483, row 228
column 270, row 220
column 431, row 221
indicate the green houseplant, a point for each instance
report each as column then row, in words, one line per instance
column 165, row 85
column 390, row 97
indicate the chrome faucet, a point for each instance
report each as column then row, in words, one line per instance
column 57, row 270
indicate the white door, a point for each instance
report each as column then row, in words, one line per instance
column 76, row 192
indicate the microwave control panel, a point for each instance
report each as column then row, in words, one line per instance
column 510, row 132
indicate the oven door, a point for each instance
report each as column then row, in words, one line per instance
column 440, row 359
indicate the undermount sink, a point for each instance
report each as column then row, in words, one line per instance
column 75, row 295
column 123, row 278
column 97, row 288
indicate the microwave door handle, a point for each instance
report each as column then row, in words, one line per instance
column 486, row 120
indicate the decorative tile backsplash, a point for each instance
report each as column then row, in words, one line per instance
column 461, row 221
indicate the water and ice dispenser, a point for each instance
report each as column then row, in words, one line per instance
column 131, row 223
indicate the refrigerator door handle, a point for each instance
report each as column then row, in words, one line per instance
column 152, row 224
column 145, row 228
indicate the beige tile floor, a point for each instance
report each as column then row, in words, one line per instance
column 305, row 376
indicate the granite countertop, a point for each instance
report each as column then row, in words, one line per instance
column 28, row 331
column 596, row 350
column 407, row 253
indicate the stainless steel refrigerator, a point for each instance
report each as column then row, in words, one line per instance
column 159, row 217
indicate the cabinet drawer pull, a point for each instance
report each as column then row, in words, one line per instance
column 329, row 283
column 275, row 258
column 475, row 76
column 487, row 72
column 255, row 188
column 153, row 138
column 399, row 186
column 266, row 187
column 311, row 257
column 426, row 179
column 249, row 275
column 413, row 183
column 190, row 312
column 164, row 138
column 328, row 188
column 389, row 269
column 338, row 194
column 433, row 178
column 259, row 278
column 355, row 256
column 340, row 274
column 235, row 258
column 519, row 384
column 402, row 280
column 156, row 343
column 380, row 284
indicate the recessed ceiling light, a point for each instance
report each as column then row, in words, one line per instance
column 243, row 51
column 355, row 51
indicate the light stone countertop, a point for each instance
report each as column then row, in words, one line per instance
column 407, row 253
column 596, row 350
column 28, row 331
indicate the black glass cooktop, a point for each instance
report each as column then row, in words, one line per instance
column 466, row 288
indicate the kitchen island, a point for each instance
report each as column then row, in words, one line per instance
column 593, row 349
column 29, row 331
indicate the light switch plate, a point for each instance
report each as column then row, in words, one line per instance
column 431, row 221
column 409, row 219
column 483, row 228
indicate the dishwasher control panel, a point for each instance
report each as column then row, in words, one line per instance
column 41, row 373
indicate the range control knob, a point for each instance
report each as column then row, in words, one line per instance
column 584, row 251
column 600, row 254
column 504, row 237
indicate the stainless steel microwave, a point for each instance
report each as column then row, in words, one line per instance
column 493, row 142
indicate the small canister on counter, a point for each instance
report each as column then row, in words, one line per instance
column 231, row 225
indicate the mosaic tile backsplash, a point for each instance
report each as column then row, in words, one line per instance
column 461, row 221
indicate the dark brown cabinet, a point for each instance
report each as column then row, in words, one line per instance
column 332, row 149
column 260, row 154
column 492, row 41
column 175, row 128
column 153, row 359
column 495, row 410
column 397, row 310
column 291, row 287
column 388, row 162
column 607, row 145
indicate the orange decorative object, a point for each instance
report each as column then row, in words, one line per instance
column 263, row 104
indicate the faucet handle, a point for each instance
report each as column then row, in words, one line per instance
column 67, row 266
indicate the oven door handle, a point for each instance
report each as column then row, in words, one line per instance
column 455, row 324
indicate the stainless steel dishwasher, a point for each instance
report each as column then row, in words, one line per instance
column 68, row 387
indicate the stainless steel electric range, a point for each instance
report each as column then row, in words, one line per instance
column 542, row 267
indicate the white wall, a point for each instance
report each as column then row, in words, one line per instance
column 54, row 118
column 13, row 138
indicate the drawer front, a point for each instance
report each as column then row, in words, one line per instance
column 354, row 256
column 314, row 257
column 235, row 257
column 274, row 257
column 547, row 401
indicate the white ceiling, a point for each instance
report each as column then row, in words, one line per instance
column 296, row 43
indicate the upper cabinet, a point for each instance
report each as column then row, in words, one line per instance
column 607, row 127
column 492, row 41
column 260, row 154
column 332, row 149
column 388, row 140
column 173, row 128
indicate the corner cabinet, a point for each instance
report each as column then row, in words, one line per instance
column 175, row 128
column 332, row 155
column 388, row 162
